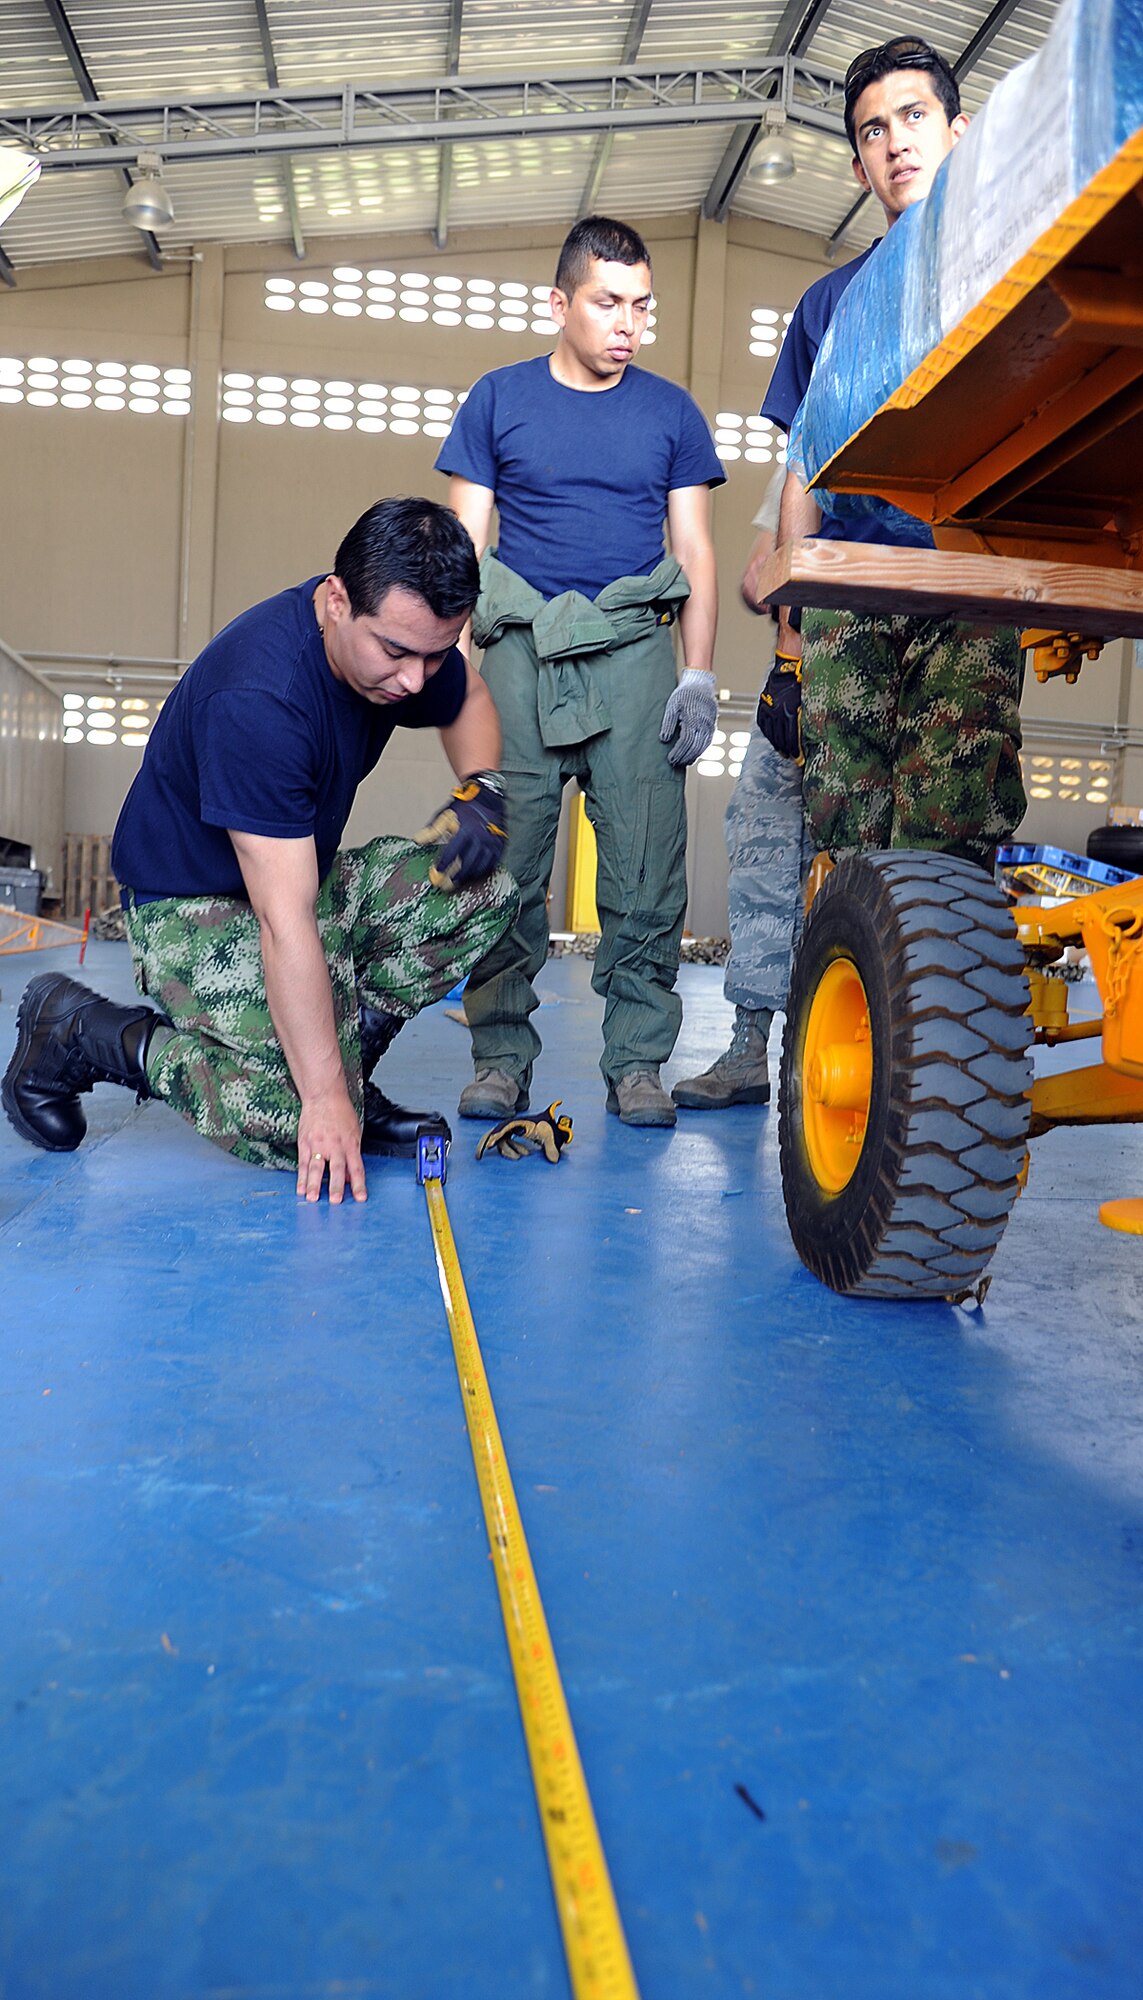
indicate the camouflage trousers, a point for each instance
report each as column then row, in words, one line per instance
column 392, row 943
column 911, row 729
column 766, row 842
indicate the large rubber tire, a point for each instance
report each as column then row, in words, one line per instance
column 932, row 941
column 1118, row 846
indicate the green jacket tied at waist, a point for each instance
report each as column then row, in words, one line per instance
column 567, row 630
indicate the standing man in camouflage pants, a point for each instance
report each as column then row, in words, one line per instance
column 284, row 967
column 912, row 731
column 910, row 726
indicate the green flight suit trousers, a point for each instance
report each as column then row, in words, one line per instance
column 615, row 690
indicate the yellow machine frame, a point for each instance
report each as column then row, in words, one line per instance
column 1109, row 925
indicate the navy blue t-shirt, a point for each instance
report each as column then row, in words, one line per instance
column 581, row 476
column 791, row 379
column 259, row 736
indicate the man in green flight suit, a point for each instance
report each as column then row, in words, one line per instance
column 584, row 456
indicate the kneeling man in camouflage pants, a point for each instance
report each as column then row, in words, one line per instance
column 282, row 966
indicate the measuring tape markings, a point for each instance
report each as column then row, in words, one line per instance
column 598, row 1960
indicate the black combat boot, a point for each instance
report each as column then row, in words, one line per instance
column 67, row 1039
column 387, row 1128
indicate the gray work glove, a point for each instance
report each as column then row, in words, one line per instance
column 691, row 715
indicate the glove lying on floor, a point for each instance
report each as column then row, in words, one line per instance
column 470, row 829
column 516, row 1136
column 780, row 707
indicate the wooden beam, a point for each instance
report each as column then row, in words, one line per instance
column 942, row 583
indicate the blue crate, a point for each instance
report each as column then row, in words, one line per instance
column 1098, row 873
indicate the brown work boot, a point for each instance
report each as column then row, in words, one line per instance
column 639, row 1099
column 740, row 1075
column 492, row 1094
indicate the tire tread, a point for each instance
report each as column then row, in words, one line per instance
column 958, row 1110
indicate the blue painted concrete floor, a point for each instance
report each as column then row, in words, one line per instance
column 846, row 1596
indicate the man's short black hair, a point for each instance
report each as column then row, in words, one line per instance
column 597, row 236
column 903, row 52
column 414, row 544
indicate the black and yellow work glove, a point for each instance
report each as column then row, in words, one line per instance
column 470, row 829
column 780, row 707
column 516, row 1137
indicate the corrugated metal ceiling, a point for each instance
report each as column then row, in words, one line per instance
column 148, row 50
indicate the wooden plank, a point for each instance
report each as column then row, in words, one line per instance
column 71, row 884
column 88, row 882
column 100, row 894
column 928, row 583
column 108, row 885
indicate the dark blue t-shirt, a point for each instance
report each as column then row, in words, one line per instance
column 791, row 379
column 581, row 476
column 259, row 736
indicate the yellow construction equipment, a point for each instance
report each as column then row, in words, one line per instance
column 917, row 992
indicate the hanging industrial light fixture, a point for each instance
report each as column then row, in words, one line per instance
column 18, row 172
column 773, row 157
column 147, row 204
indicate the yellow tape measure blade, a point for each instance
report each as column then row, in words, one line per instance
column 598, row 1960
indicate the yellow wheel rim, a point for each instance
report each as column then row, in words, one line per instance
column 837, row 1075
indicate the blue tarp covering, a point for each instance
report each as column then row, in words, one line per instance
column 1048, row 127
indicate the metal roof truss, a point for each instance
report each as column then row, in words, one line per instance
column 194, row 127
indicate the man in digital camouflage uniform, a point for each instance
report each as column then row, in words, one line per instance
column 766, row 845
column 910, row 726
column 282, row 966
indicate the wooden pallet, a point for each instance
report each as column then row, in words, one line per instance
column 88, row 882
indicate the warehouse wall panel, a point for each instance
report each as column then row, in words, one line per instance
column 109, row 553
